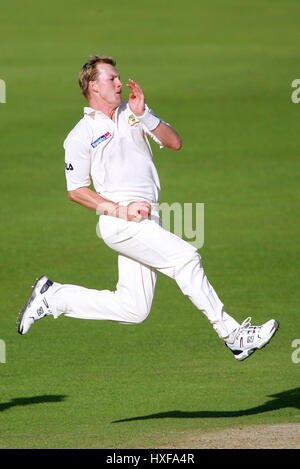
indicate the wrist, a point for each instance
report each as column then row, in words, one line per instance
column 149, row 120
column 108, row 208
column 121, row 212
column 118, row 211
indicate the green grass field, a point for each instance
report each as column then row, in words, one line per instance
column 220, row 73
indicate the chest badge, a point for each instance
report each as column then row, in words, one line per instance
column 132, row 120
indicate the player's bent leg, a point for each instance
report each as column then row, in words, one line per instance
column 130, row 303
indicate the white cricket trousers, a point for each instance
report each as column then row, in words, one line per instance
column 144, row 249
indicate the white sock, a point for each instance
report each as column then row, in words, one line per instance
column 230, row 338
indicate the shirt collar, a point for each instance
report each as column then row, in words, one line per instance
column 89, row 111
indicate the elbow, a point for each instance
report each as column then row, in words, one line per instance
column 176, row 145
column 71, row 196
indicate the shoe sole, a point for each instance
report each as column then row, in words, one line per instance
column 251, row 351
column 31, row 298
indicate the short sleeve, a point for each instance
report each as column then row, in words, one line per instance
column 77, row 164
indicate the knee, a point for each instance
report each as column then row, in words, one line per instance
column 139, row 316
column 189, row 260
column 135, row 315
column 187, row 269
column 135, row 307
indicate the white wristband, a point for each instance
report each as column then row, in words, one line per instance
column 149, row 120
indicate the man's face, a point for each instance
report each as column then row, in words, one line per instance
column 108, row 84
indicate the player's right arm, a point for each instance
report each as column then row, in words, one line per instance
column 86, row 197
column 77, row 166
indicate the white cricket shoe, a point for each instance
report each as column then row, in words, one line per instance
column 249, row 338
column 37, row 306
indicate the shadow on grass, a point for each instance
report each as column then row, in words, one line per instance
column 23, row 401
column 282, row 400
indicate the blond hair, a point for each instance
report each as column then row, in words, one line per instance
column 89, row 71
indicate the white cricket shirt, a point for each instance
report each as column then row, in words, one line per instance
column 115, row 156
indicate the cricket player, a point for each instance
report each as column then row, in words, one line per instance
column 109, row 149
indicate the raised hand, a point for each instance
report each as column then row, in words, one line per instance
column 136, row 98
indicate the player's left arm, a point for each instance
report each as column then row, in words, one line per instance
column 167, row 136
column 163, row 131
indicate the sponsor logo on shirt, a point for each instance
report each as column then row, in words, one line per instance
column 101, row 139
column 132, row 120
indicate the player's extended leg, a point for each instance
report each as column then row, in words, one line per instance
column 152, row 245
column 149, row 243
